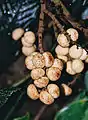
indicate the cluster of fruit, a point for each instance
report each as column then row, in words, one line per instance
column 47, row 95
column 27, row 40
column 45, row 68
column 70, row 53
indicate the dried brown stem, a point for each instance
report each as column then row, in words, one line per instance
column 75, row 24
column 41, row 27
column 55, row 30
column 57, row 23
column 37, row 117
column 50, row 24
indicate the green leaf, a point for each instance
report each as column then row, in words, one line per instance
column 77, row 110
column 26, row 117
column 6, row 93
column 86, row 80
column 86, row 115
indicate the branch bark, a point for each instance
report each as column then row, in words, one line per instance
column 52, row 16
column 41, row 27
column 75, row 24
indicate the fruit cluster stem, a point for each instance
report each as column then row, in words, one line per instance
column 41, row 27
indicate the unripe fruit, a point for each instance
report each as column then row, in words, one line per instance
column 53, row 73
column 41, row 82
column 37, row 73
column 62, row 40
column 49, row 59
column 61, row 51
column 53, row 90
column 17, row 33
column 32, row 92
column 75, row 52
column 29, row 37
column 58, row 64
column 25, row 44
column 69, row 68
column 28, row 50
column 62, row 57
column 46, row 98
column 73, row 33
column 77, row 65
column 67, row 90
column 84, row 55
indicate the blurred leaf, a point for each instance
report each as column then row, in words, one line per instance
column 18, row 13
column 85, row 14
column 6, row 93
column 86, row 115
column 82, row 95
column 77, row 110
column 79, row 9
column 12, row 103
column 26, row 117
column 86, row 80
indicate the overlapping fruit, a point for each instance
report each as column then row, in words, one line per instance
column 45, row 68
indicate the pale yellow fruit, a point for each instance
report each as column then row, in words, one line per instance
column 29, row 37
column 62, row 40
column 29, row 63
column 37, row 73
column 25, row 44
column 32, row 92
column 53, row 73
column 62, row 57
column 73, row 33
column 61, row 50
column 28, row 50
column 38, row 60
column 77, row 65
column 54, row 90
column 17, row 33
column 69, row 69
column 75, row 52
column 49, row 59
column 67, row 90
column 58, row 63
column 46, row 98
column 84, row 55
column 41, row 82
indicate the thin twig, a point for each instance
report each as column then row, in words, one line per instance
column 75, row 24
column 74, row 80
column 55, row 30
column 52, row 16
column 65, row 11
column 37, row 117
